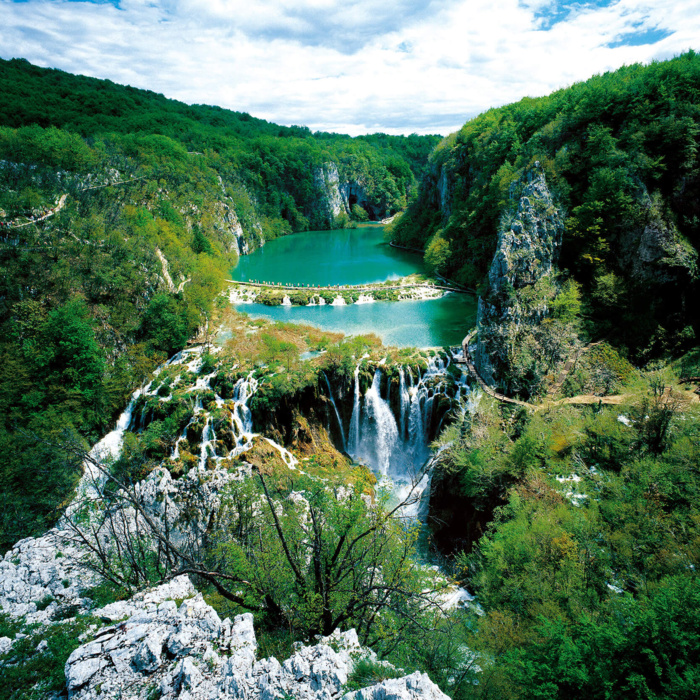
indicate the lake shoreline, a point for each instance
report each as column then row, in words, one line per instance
column 337, row 280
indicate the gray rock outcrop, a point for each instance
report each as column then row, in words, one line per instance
column 40, row 575
column 337, row 196
column 657, row 254
column 526, row 253
column 417, row 686
column 169, row 643
column 327, row 182
column 241, row 240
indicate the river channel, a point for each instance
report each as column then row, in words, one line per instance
column 350, row 257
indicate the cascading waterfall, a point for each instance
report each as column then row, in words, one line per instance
column 354, row 437
column 416, row 424
column 208, row 438
column 393, row 448
column 379, row 430
column 335, row 408
column 396, row 447
column 404, row 401
column 109, row 447
column 242, row 418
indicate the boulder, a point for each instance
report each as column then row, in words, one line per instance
column 187, row 652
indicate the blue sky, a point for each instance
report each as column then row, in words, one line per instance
column 354, row 66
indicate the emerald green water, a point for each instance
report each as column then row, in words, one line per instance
column 355, row 256
column 324, row 258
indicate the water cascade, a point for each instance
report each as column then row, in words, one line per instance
column 404, row 401
column 354, row 433
column 335, row 408
column 378, row 428
column 109, row 447
column 397, row 446
column 241, row 420
column 394, row 443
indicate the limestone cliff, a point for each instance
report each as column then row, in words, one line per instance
column 165, row 650
column 332, row 203
column 518, row 286
column 337, row 194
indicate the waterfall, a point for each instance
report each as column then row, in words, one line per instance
column 379, row 430
column 417, row 506
column 107, row 449
column 416, row 436
column 287, row 457
column 354, row 436
column 241, row 416
column 397, row 446
column 110, row 446
column 404, row 401
column 335, row 408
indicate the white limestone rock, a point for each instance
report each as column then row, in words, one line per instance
column 417, row 686
column 5, row 645
column 41, row 569
column 187, row 652
column 327, row 182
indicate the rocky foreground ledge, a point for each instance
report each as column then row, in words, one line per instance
column 168, row 643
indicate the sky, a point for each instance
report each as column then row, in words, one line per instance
column 349, row 66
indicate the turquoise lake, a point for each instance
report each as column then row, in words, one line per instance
column 355, row 256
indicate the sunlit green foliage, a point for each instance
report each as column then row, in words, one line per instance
column 98, row 295
column 587, row 571
column 620, row 152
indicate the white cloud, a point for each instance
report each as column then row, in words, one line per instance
column 398, row 66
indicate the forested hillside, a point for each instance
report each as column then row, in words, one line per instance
column 620, row 155
column 576, row 218
column 121, row 213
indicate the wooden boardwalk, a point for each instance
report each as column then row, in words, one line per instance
column 471, row 368
column 346, row 288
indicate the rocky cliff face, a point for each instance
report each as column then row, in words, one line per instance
column 239, row 241
column 527, row 250
column 332, row 202
column 337, row 196
column 155, row 647
column 656, row 253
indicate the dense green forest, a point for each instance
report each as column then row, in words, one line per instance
column 274, row 166
column 620, row 153
column 577, row 527
column 122, row 275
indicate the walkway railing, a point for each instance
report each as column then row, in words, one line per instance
column 346, row 287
